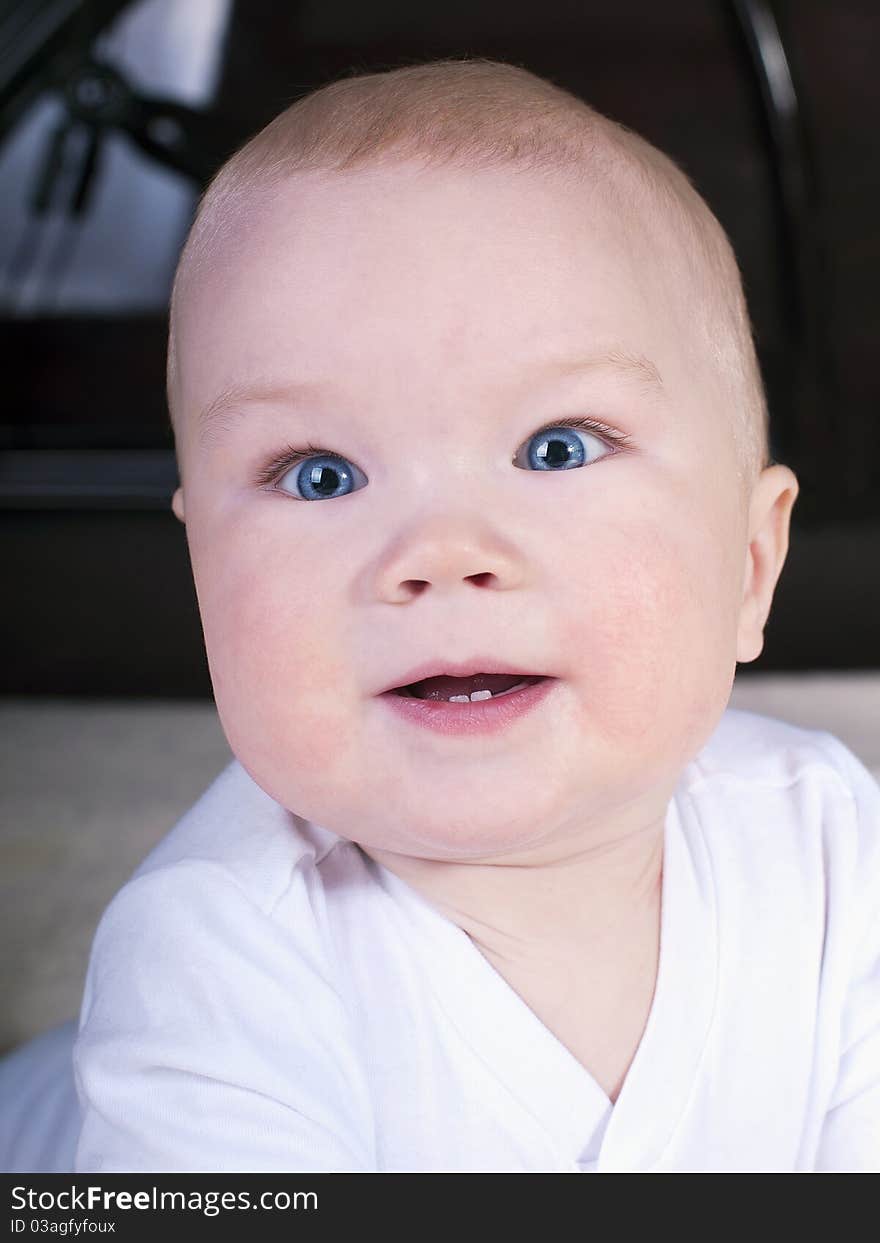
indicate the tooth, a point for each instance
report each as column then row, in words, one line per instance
column 476, row 696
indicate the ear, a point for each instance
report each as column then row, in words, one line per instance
column 770, row 509
column 177, row 505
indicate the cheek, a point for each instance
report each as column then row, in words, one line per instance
column 276, row 657
column 652, row 623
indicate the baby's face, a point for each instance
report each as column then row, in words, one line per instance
column 426, row 329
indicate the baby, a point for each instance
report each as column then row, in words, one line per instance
column 496, row 880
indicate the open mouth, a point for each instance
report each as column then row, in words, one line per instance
column 473, row 689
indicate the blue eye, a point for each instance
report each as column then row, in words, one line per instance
column 325, row 475
column 558, row 448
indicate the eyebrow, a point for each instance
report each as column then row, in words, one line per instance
column 228, row 407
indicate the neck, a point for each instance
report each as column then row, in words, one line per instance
column 529, row 908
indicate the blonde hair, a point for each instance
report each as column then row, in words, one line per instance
column 475, row 113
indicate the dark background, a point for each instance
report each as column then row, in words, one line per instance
column 769, row 109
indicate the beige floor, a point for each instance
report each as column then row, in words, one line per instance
column 88, row 787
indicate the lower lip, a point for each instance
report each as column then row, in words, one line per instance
column 485, row 716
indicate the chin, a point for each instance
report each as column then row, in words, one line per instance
column 456, row 840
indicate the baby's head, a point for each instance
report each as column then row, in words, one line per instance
column 421, row 281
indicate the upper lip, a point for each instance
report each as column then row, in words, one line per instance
column 463, row 669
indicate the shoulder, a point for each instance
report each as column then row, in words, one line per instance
column 766, row 755
column 213, row 1036
column 215, row 962
column 235, row 829
column 797, row 798
column 233, row 891
column 764, row 749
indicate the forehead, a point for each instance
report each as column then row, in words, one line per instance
column 410, row 273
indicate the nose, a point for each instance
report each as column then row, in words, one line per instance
column 447, row 557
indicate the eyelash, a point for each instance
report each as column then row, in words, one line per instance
column 291, row 455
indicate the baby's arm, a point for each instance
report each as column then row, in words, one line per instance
column 211, row 1039
column 850, row 1139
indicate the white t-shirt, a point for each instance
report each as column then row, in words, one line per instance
column 262, row 996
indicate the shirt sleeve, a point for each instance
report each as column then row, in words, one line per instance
column 212, row 1037
column 850, row 1137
